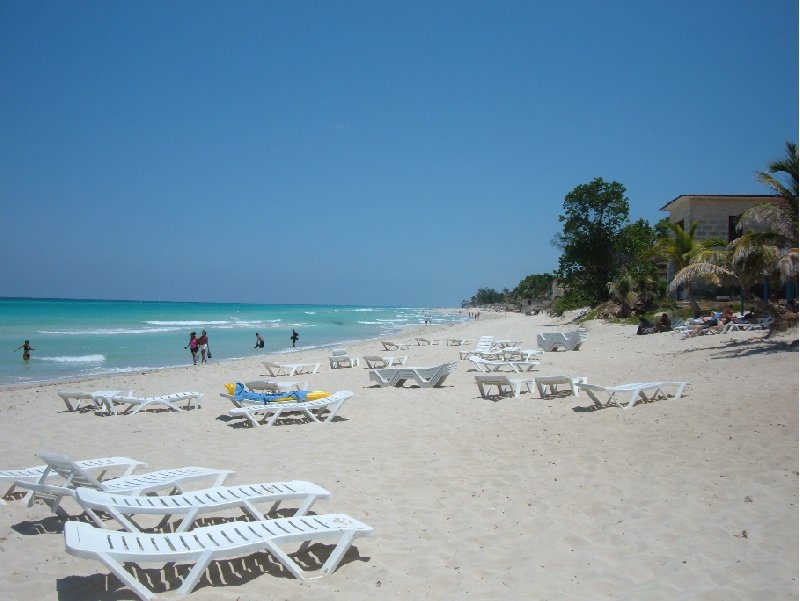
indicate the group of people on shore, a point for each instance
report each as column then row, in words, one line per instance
column 260, row 339
column 715, row 320
column 199, row 344
column 645, row 327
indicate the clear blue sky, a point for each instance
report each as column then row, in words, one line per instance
column 365, row 152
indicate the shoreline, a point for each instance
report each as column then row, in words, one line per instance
column 77, row 379
column 485, row 498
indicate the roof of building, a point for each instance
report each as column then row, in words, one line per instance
column 762, row 197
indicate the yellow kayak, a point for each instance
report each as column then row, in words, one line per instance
column 311, row 396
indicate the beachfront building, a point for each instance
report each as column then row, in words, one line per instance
column 716, row 215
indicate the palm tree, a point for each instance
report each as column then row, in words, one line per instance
column 679, row 250
column 756, row 255
column 773, row 225
column 622, row 290
column 717, row 265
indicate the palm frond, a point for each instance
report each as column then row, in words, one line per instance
column 787, row 166
column 700, row 271
column 787, row 264
column 778, row 218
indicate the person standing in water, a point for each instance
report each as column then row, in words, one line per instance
column 26, row 350
column 259, row 341
column 203, row 342
column 193, row 346
column 294, row 337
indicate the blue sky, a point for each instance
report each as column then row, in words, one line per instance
column 362, row 152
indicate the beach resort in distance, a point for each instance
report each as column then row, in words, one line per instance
column 466, row 496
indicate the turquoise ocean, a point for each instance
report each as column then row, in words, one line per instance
column 84, row 338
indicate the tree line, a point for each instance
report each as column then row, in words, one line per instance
column 605, row 256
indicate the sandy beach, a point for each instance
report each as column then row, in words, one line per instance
column 469, row 498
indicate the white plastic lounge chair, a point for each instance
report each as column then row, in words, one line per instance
column 290, row 369
column 74, row 476
column 764, row 323
column 689, row 324
column 486, row 365
column 511, row 353
column 136, row 404
column 34, row 474
column 458, row 341
column 569, row 341
column 377, row 361
column 425, row 377
column 426, row 341
column 270, row 412
column 514, row 353
column 501, row 344
column 76, row 396
column 95, row 397
column 548, row 385
column 484, row 344
column 276, row 386
column 503, row 383
column 191, row 505
column 493, row 354
column 203, row 545
column 388, row 345
column 339, row 358
column 635, row 391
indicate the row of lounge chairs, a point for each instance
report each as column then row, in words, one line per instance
column 489, row 348
column 684, row 326
column 424, row 377
column 546, row 385
column 123, row 497
column 623, row 395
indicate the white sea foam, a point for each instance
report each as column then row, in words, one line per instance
column 109, row 331
column 75, row 359
column 189, row 324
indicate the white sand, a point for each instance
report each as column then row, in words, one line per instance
column 470, row 498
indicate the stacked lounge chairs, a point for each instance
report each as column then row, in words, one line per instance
column 425, row 377
column 199, row 546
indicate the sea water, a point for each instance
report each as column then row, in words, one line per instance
column 82, row 338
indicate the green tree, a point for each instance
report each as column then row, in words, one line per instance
column 632, row 250
column 594, row 215
column 622, row 290
column 487, row 296
column 535, row 287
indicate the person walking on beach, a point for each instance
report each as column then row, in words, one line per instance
column 259, row 341
column 202, row 341
column 294, row 337
column 26, row 350
column 193, row 346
